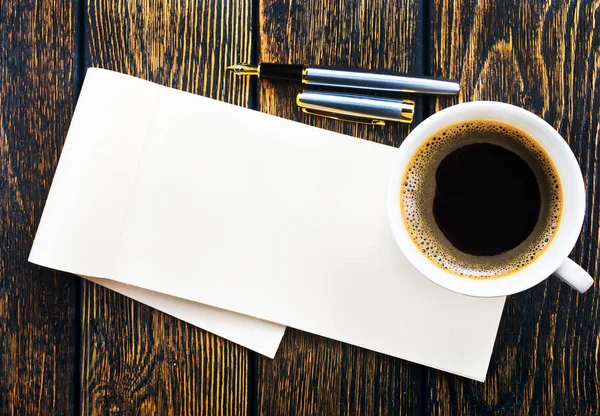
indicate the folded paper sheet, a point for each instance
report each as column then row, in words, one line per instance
column 258, row 335
column 202, row 200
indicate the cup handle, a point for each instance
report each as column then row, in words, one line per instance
column 572, row 274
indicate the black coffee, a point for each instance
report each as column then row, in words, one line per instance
column 487, row 199
column 481, row 199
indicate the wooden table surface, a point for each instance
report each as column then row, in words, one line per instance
column 67, row 346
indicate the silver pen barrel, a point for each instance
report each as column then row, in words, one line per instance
column 352, row 107
column 381, row 82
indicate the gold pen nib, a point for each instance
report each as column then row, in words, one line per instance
column 244, row 69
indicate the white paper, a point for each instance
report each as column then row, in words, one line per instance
column 251, row 213
column 89, row 197
column 255, row 334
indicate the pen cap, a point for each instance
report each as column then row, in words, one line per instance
column 354, row 107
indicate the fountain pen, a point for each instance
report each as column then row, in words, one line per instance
column 347, row 78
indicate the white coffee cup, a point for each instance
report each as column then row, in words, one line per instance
column 553, row 259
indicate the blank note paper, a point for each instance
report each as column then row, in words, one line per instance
column 224, row 206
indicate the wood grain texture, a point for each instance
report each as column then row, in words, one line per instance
column 545, row 57
column 311, row 374
column 370, row 35
column 38, row 314
column 137, row 360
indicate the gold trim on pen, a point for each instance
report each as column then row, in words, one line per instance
column 407, row 112
column 305, row 75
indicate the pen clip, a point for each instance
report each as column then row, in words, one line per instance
column 357, row 120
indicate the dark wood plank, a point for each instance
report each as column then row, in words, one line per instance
column 136, row 359
column 543, row 56
column 311, row 374
column 377, row 35
column 38, row 307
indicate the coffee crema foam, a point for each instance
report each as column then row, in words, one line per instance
column 418, row 191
